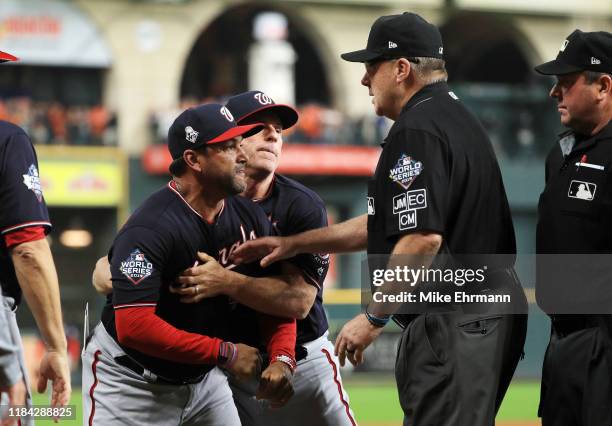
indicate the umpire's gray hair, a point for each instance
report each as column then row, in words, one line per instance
column 429, row 70
column 592, row 76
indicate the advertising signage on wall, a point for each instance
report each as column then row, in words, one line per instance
column 50, row 32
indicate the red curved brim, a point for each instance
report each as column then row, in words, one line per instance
column 7, row 57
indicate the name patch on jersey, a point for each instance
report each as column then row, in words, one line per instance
column 32, row 181
column 582, row 190
column 416, row 199
column 405, row 171
column 136, row 267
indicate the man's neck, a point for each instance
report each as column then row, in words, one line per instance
column 258, row 186
column 206, row 202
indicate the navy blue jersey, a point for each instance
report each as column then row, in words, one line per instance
column 293, row 208
column 160, row 240
column 21, row 200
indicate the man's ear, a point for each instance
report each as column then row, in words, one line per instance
column 192, row 160
column 605, row 86
column 403, row 69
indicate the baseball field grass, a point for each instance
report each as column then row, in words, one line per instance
column 375, row 403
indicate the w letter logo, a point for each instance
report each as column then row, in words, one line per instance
column 263, row 98
column 227, row 114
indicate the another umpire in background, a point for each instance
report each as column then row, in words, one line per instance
column 26, row 265
column 575, row 218
column 452, row 369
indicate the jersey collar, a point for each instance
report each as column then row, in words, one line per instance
column 172, row 186
column 426, row 93
column 583, row 143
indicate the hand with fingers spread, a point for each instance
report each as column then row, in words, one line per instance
column 245, row 363
column 207, row 279
column 268, row 249
column 354, row 338
column 275, row 384
column 16, row 397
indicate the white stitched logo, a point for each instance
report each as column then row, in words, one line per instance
column 371, row 209
column 407, row 220
column 263, row 99
column 595, row 61
column 564, row 45
column 227, row 114
column 392, row 45
column 191, row 135
column 441, row 50
column 582, row 190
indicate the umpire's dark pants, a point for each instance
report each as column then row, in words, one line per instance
column 576, row 378
column 453, row 369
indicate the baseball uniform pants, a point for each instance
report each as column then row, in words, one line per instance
column 12, row 339
column 116, row 395
column 576, row 379
column 319, row 399
column 454, row 369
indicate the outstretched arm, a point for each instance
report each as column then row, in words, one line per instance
column 347, row 236
column 287, row 295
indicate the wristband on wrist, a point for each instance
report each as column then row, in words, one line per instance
column 227, row 354
column 287, row 360
column 379, row 322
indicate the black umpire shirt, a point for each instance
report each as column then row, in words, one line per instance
column 575, row 218
column 437, row 173
column 21, row 200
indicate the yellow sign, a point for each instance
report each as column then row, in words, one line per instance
column 81, row 183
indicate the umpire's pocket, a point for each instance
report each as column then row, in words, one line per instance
column 480, row 326
column 437, row 337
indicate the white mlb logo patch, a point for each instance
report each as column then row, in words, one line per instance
column 582, row 190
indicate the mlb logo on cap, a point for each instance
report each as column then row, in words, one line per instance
column 7, row 57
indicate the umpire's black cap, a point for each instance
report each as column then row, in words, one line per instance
column 245, row 105
column 7, row 57
column 203, row 125
column 395, row 36
column 581, row 52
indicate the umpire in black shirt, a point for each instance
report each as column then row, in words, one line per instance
column 437, row 189
column 574, row 237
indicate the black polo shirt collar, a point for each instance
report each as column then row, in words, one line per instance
column 581, row 142
column 426, row 93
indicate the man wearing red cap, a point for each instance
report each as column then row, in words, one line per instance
column 26, row 265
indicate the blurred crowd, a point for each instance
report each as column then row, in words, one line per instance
column 318, row 124
column 55, row 123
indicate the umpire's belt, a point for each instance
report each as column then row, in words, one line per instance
column 564, row 325
column 151, row 377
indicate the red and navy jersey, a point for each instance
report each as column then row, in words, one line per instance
column 159, row 241
column 21, row 200
column 293, row 208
